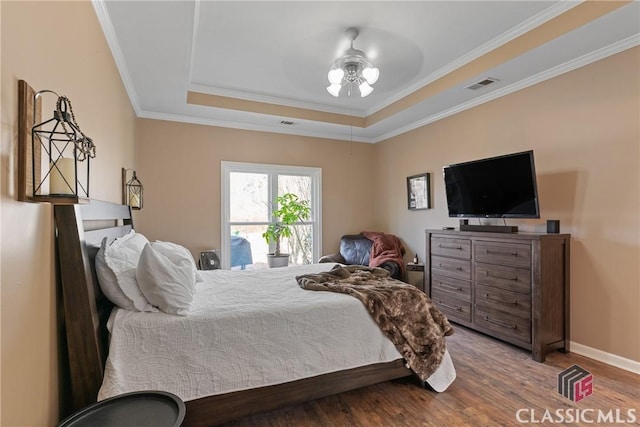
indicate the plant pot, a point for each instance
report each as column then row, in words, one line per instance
column 274, row 261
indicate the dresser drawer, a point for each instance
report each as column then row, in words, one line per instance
column 510, row 328
column 456, row 248
column 451, row 267
column 457, row 288
column 513, row 279
column 453, row 308
column 514, row 303
column 511, row 254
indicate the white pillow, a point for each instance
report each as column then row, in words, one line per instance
column 122, row 258
column 108, row 282
column 182, row 251
column 167, row 277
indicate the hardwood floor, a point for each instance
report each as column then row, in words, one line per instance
column 494, row 381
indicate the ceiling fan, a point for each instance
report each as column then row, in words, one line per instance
column 353, row 70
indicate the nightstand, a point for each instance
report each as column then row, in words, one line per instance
column 413, row 268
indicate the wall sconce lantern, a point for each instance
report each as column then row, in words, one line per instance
column 54, row 154
column 132, row 190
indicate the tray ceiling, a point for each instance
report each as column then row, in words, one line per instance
column 255, row 65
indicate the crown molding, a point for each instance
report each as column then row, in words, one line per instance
column 542, row 17
column 252, row 96
column 194, row 36
column 107, row 28
column 514, row 32
column 269, row 99
column 520, row 29
column 253, row 127
column 581, row 61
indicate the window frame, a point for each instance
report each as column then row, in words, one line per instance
column 228, row 167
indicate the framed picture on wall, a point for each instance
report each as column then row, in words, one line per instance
column 418, row 192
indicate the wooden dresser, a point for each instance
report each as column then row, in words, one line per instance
column 512, row 286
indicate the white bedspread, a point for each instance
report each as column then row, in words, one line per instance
column 246, row 329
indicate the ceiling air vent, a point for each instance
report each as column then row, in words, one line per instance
column 482, row 83
column 286, row 122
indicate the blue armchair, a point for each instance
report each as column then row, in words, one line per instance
column 240, row 252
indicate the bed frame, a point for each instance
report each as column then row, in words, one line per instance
column 80, row 229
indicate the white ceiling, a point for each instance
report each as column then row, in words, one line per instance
column 279, row 53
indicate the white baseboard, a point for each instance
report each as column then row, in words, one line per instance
column 608, row 358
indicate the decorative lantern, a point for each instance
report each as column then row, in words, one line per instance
column 55, row 165
column 132, row 190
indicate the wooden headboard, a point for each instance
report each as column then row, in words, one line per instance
column 79, row 232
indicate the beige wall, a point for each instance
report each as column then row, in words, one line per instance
column 179, row 165
column 584, row 128
column 57, row 46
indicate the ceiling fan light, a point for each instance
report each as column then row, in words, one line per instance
column 353, row 69
column 334, row 89
column 365, row 89
column 335, row 76
column 371, row 74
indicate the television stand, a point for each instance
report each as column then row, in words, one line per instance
column 490, row 228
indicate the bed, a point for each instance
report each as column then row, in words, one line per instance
column 81, row 228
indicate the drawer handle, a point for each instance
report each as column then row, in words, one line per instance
column 513, row 279
column 445, row 267
column 487, row 296
column 458, row 248
column 488, row 252
column 496, row 322
column 450, row 307
column 455, row 288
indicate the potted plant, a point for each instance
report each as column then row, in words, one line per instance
column 290, row 210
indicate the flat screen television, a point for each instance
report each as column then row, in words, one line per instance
column 497, row 187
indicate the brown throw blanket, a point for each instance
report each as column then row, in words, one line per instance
column 403, row 312
column 386, row 247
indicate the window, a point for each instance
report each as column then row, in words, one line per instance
column 248, row 194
